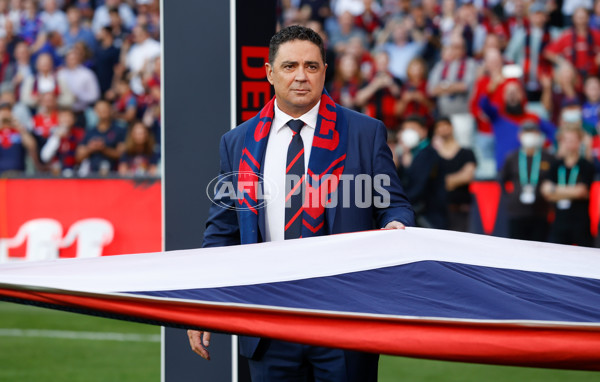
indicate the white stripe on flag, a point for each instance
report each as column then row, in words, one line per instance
column 75, row 335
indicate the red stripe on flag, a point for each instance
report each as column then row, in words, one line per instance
column 550, row 345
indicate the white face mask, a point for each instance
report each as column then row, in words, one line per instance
column 531, row 140
column 410, row 138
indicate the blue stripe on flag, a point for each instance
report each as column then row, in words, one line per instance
column 425, row 289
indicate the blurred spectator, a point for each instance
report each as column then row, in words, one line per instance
column 406, row 43
column 569, row 8
column 447, row 20
column 106, row 58
column 15, row 142
column 506, row 121
column 102, row 146
column 121, row 33
column 141, row 53
column 566, row 91
column 30, row 23
column 346, row 82
column 526, row 47
column 45, row 81
column 147, row 14
column 518, row 19
column 568, row 188
column 452, row 79
column 521, row 178
column 82, row 83
column 139, row 157
column 102, row 15
column 86, row 9
column 7, row 16
column 7, row 68
column 431, row 33
column 497, row 26
column 126, row 104
column 19, row 110
column 364, row 57
column 591, row 107
column 468, row 26
column 414, row 99
column 595, row 16
column 77, row 31
column 346, row 30
column 51, row 43
column 421, row 172
column 490, row 78
column 459, row 166
column 59, row 150
column 369, row 20
column 579, row 45
column 23, row 69
column 53, row 18
column 11, row 38
column 378, row 96
column 319, row 9
column 45, row 121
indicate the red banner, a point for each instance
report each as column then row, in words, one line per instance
column 49, row 218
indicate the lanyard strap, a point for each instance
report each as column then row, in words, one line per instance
column 562, row 175
column 535, row 168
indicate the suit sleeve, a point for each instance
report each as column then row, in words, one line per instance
column 398, row 208
column 222, row 227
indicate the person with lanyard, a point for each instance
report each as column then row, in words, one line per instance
column 568, row 187
column 422, row 174
column 580, row 45
column 521, row 177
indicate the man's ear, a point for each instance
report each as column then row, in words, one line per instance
column 269, row 70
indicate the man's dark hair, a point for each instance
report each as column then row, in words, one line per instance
column 291, row 33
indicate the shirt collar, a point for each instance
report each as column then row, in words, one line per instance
column 281, row 119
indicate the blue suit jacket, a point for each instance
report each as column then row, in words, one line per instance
column 367, row 153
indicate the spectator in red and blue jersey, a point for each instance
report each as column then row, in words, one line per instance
column 126, row 104
column 346, row 82
column 15, row 142
column 60, row 148
column 102, row 146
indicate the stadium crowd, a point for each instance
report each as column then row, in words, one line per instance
column 79, row 87
column 504, row 90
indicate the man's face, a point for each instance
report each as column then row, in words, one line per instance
column 298, row 76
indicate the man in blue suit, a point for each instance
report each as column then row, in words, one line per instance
column 323, row 169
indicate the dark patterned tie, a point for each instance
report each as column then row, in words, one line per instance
column 294, row 182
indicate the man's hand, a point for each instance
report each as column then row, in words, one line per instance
column 199, row 342
column 394, row 225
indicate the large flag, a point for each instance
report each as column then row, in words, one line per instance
column 415, row 292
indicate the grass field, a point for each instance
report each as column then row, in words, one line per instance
column 46, row 345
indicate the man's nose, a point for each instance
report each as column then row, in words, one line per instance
column 301, row 74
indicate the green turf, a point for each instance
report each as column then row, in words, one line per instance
column 66, row 360
column 51, row 359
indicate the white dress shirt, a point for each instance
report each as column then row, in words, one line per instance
column 275, row 164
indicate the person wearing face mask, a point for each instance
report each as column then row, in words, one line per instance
column 568, row 188
column 506, row 120
column 422, row 174
column 521, row 177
